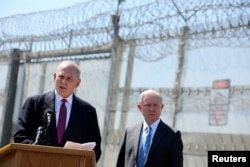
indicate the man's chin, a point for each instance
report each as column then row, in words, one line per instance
column 63, row 93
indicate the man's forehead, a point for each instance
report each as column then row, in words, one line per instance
column 151, row 101
column 64, row 73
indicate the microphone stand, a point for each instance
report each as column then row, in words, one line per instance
column 43, row 132
column 40, row 136
column 49, row 118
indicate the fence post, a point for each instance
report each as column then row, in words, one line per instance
column 177, row 85
column 10, row 93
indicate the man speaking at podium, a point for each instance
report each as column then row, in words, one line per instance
column 55, row 117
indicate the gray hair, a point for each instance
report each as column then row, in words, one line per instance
column 149, row 91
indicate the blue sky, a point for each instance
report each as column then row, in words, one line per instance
column 14, row 7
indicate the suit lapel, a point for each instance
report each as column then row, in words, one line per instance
column 49, row 103
column 159, row 134
column 73, row 114
column 74, row 109
column 136, row 138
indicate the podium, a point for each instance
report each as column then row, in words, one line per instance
column 27, row 155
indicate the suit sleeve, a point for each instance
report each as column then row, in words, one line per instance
column 121, row 154
column 176, row 154
column 26, row 127
column 95, row 134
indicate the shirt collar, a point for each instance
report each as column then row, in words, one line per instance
column 59, row 98
column 153, row 125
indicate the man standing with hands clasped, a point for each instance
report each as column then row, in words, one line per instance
column 151, row 143
column 74, row 119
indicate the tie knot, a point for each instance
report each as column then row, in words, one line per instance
column 64, row 100
column 148, row 128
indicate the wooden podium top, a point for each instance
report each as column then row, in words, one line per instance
column 46, row 155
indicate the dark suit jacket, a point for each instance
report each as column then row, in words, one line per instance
column 165, row 151
column 82, row 126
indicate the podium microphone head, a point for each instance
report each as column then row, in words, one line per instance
column 48, row 116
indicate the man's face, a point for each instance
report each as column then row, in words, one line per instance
column 151, row 107
column 66, row 80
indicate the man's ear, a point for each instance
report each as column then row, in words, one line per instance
column 139, row 106
column 78, row 83
column 54, row 76
column 162, row 105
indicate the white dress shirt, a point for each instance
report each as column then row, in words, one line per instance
column 68, row 104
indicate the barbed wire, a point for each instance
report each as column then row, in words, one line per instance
column 155, row 23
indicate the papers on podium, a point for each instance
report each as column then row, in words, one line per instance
column 79, row 146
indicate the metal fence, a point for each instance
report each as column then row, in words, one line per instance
column 124, row 47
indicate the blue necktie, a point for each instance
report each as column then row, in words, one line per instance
column 144, row 147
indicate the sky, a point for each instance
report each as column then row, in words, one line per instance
column 14, row 7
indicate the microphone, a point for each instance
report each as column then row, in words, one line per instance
column 48, row 116
column 39, row 135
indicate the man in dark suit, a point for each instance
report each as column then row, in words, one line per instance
column 165, row 144
column 80, row 123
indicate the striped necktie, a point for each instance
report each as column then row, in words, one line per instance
column 143, row 151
